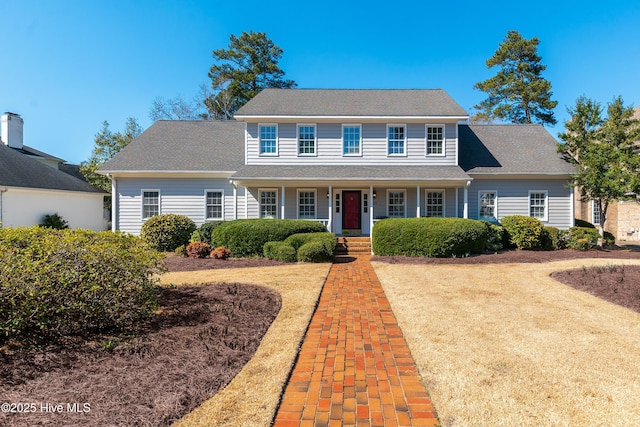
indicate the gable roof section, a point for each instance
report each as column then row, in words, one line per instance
column 19, row 170
column 351, row 103
column 510, row 149
column 183, row 146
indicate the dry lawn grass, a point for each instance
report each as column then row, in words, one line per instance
column 506, row 345
column 252, row 397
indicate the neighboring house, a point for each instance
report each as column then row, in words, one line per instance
column 623, row 216
column 343, row 157
column 34, row 184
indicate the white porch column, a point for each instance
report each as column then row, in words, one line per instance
column 418, row 201
column 282, row 203
column 457, row 207
column 371, row 203
column 465, row 209
column 246, row 203
column 330, row 224
column 114, row 204
column 235, row 199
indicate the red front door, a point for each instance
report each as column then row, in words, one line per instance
column 351, row 210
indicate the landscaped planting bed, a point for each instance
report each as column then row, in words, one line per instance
column 199, row 340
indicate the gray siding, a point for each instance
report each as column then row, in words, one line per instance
column 183, row 196
column 374, row 146
column 513, row 198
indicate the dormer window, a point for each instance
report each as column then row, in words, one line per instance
column 306, row 140
column 396, row 135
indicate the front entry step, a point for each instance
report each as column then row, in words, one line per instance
column 350, row 245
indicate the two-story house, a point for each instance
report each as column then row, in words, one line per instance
column 344, row 157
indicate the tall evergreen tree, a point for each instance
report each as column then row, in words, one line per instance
column 603, row 151
column 249, row 65
column 517, row 93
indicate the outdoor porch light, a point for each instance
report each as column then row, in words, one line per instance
column 328, row 195
column 375, row 194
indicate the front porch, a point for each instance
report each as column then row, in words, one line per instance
column 353, row 210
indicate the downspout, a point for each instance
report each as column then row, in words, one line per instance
column 2, row 191
column 114, row 203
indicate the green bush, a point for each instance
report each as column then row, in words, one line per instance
column 609, row 239
column 72, row 282
column 496, row 237
column 246, row 237
column 552, row 239
column 280, row 251
column 206, row 229
column 582, row 238
column 198, row 250
column 524, row 232
column 181, row 251
column 195, row 237
column 323, row 248
column 167, row 231
column 54, row 221
column 432, row 237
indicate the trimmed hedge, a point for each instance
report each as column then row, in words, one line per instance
column 496, row 237
column 552, row 239
column 73, row 282
column 280, row 251
column 247, row 237
column 166, row 232
column 582, row 238
column 524, row 232
column 431, row 237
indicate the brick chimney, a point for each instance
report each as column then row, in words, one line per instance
column 12, row 125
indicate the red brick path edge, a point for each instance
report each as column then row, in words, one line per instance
column 354, row 367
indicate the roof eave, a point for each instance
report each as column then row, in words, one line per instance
column 347, row 117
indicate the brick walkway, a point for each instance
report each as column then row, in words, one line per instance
column 354, row 368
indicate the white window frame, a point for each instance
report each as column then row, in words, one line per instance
column 426, row 201
column 426, row 137
column 404, row 141
column 545, row 217
column 206, row 205
column 359, row 153
column 594, row 206
column 315, row 139
column 315, row 201
column 260, row 191
column 495, row 204
column 260, row 152
column 142, row 204
column 404, row 199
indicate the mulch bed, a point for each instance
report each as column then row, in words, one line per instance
column 618, row 284
column 516, row 256
column 178, row 263
column 198, row 342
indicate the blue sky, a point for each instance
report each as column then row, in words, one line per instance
column 69, row 65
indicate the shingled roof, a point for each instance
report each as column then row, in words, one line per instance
column 352, row 103
column 510, row 149
column 183, row 146
column 20, row 170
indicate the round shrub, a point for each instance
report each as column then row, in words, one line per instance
column 280, row 251
column 246, row 237
column 220, row 253
column 316, row 251
column 582, row 238
column 198, row 250
column 54, row 221
column 609, row 239
column 167, row 231
column 496, row 237
column 206, row 229
column 552, row 239
column 431, row 237
column 524, row 232
column 57, row 283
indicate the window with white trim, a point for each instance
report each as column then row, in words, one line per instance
column 214, row 205
column 435, row 140
column 268, row 204
column 434, row 203
column 307, row 140
column 268, row 140
column 487, row 201
column 595, row 213
column 351, row 140
column 396, row 204
column 150, row 203
column 538, row 205
column 306, row 204
column 396, row 135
